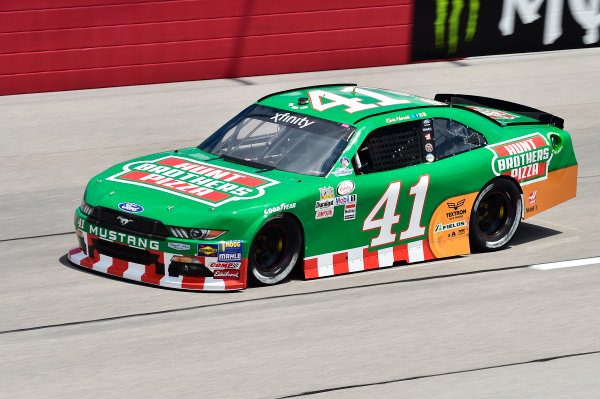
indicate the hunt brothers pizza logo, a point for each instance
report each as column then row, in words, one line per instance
column 525, row 159
column 194, row 180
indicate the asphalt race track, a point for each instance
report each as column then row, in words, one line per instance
column 480, row 326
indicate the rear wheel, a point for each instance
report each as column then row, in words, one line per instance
column 495, row 216
column 275, row 250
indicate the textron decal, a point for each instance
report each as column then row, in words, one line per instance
column 194, row 180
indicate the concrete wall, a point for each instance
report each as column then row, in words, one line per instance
column 49, row 45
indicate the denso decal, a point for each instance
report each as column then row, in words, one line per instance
column 194, row 180
column 525, row 159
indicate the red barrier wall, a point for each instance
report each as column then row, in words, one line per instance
column 48, row 45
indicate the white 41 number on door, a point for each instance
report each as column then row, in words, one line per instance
column 389, row 203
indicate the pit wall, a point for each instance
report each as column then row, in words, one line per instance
column 50, row 45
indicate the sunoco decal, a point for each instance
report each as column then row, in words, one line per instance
column 194, row 180
column 525, row 159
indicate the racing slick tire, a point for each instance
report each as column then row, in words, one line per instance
column 495, row 216
column 275, row 250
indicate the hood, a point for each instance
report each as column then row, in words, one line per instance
column 188, row 187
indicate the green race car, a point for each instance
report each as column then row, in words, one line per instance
column 331, row 179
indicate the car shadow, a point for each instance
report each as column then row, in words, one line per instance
column 528, row 232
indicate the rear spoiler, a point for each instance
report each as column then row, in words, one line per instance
column 461, row 100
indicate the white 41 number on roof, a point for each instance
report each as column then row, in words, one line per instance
column 352, row 104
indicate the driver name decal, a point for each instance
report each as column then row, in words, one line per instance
column 195, row 180
column 525, row 159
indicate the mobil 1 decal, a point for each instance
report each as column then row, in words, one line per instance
column 526, row 159
column 194, row 180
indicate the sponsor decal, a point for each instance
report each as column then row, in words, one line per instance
column 124, row 238
column 208, row 249
column 324, row 204
column 292, row 120
column 178, row 246
column 326, row 192
column 456, row 212
column 427, row 129
column 525, row 159
column 230, row 251
column 532, row 198
column 344, row 161
column 429, row 157
column 419, row 115
column 455, row 205
column 429, row 147
column 345, row 199
column 397, row 119
column 344, row 188
column 531, row 208
column 279, row 208
column 350, row 212
column 194, row 180
column 342, row 172
column 450, row 226
column 494, row 113
column 226, row 274
column 130, row 207
column 428, row 136
column 226, row 265
column 294, row 106
column 427, row 122
column 324, row 213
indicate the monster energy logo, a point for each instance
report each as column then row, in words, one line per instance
column 448, row 12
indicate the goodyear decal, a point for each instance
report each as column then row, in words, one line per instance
column 526, row 159
column 194, row 180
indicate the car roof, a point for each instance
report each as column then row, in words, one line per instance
column 370, row 102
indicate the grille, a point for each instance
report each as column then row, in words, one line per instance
column 395, row 148
column 124, row 252
column 128, row 223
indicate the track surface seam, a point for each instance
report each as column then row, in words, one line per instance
column 541, row 360
column 176, row 310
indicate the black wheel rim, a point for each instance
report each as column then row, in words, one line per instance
column 270, row 250
column 493, row 214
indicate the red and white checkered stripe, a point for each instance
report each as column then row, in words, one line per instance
column 147, row 273
column 359, row 259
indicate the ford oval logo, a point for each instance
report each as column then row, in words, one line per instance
column 130, row 207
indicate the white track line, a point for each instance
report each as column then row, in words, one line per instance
column 567, row 263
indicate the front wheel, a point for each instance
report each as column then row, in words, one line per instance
column 275, row 250
column 495, row 216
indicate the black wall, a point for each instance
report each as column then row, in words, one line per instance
column 486, row 36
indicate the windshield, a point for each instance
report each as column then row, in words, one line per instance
column 273, row 138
